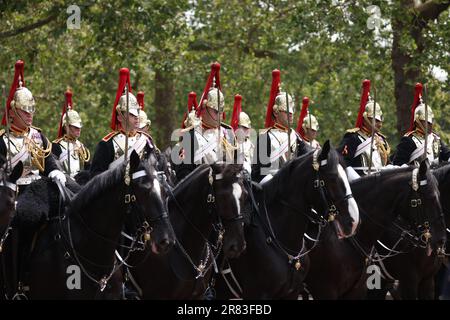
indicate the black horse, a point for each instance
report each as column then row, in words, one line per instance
column 8, row 193
column 273, row 267
column 204, row 211
column 74, row 255
column 416, row 266
column 340, row 268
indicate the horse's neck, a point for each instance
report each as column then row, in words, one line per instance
column 287, row 224
column 379, row 214
column 190, row 217
column 103, row 219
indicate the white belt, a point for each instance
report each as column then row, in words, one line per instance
column 23, row 181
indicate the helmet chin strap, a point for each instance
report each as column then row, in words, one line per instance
column 20, row 118
column 368, row 124
column 421, row 127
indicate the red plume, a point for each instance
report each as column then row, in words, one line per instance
column 140, row 99
column 362, row 104
column 417, row 96
column 67, row 106
column 214, row 74
column 18, row 76
column 237, row 109
column 192, row 105
column 303, row 113
column 124, row 79
column 274, row 90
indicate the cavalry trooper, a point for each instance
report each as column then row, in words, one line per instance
column 190, row 118
column 110, row 151
column 241, row 124
column 308, row 125
column 411, row 148
column 22, row 141
column 211, row 140
column 278, row 143
column 71, row 152
column 357, row 142
column 144, row 121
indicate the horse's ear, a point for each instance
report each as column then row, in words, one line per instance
column 423, row 168
column 16, row 173
column 134, row 161
column 325, row 150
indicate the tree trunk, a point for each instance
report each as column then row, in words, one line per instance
column 165, row 112
column 409, row 22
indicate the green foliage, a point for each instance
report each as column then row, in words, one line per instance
column 324, row 50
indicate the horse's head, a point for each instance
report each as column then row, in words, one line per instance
column 151, row 219
column 8, row 190
column 442, row 175
column 332, row 193
column 423, row 209
column 229, row 196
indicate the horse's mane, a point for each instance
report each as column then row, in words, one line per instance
column 442, row 173
column 380, row 175
column 99, row 184
column 185, row 182
column 432, row 181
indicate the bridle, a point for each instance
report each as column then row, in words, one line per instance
column 212, row 250
column 138, row 241
column 331, row 212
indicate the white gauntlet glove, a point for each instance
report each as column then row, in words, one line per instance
column 57, row 175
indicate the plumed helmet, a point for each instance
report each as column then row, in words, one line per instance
column 215, row 99
column 281, row 103
column 368, row 112
column 310, row 121
column 19, row 97
column 244, row 120
column 23, row 100
column 419, row 113
column 144, row 120
column 133, row 105
column 74, row 119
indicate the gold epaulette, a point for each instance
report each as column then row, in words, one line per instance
column 353, row 130
column 2, row 132
column 58, row 140
column 38, row 129
column 110, row 135
column 409, row 133
column 381, row 135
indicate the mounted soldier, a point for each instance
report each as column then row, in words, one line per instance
column 125, row 134
column 278, row 143
column 22, row 141
column 26, row 144
column 71, row 152
column 308, row 125
column 412, row 146
column 241, row 124
column 364, row 147
column 144, row 121
column 210, row 140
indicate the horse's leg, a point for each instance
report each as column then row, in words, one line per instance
column 409, row 288
column 426, row 289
